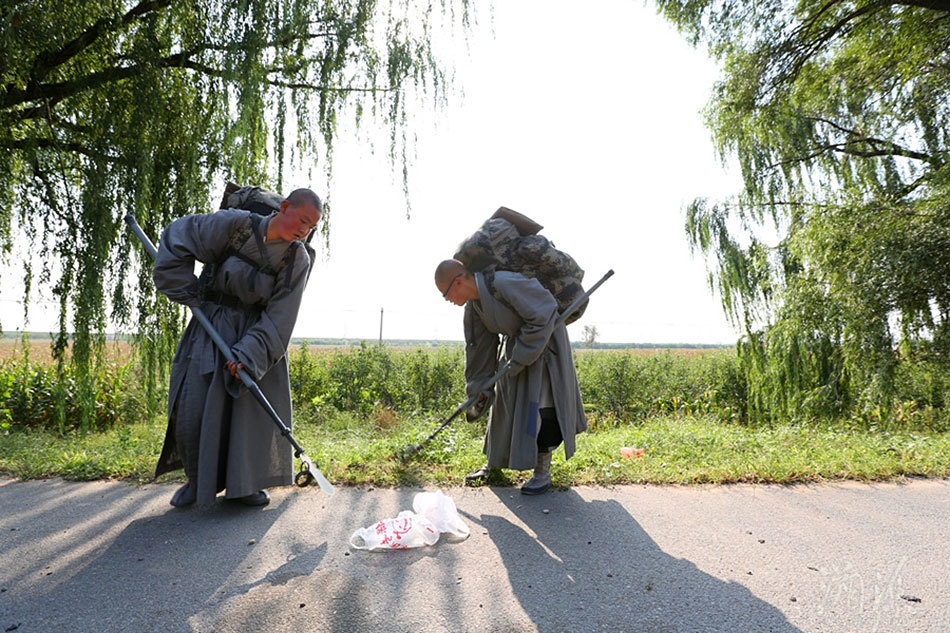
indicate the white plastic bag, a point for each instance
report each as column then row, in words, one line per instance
column 407, row 530
column 432, row 514
column 441, row 511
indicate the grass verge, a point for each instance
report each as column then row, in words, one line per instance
column 677, row 449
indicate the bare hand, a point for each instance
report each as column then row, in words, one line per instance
column 234, row 367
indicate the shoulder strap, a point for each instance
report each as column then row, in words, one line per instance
column 238, row 237
column 235, row 242
column 256, row 230
column 287, row 261
column 252, row 227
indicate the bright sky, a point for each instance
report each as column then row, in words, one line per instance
column 588, row 122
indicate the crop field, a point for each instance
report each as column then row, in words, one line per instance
column 11, row 347
column 40, row 349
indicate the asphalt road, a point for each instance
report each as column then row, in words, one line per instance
column 110, row 556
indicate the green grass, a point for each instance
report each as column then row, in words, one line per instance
column 364, row 450
column 128, row 452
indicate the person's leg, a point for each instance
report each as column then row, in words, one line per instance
column 185, row 418
column 549, row 438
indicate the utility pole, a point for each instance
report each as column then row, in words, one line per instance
column 380, row 327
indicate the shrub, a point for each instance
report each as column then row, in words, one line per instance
column 46, row 396
column 632, row 386
column 618, row 387
column 365, row 378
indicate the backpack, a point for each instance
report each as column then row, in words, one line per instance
column 510, row 241
column 253, row 199
column 259, row 202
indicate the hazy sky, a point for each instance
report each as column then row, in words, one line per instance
column 588, row 122
column 585, row 120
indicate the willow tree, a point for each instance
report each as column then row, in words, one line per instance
column 835, row 256
column 110, row 107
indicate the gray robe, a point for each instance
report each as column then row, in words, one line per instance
column 536, row 347
column 217, row 431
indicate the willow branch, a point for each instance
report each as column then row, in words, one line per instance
column 799, row 47
column 56, row 92
column 848, row 147
column 48, row 60
column 316, row 87
column 858, row 137
column 53, row 93
column 811, row 20
column 45, row 143
column 217, row 72
column 890, row 149
column 816, row 43
column 936, row 5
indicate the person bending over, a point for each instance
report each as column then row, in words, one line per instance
column 255, row 271
column 537, row 405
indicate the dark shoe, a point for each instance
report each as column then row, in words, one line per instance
column 536, row 485
column 259, row 498
column 480, row 474
column 184, row 496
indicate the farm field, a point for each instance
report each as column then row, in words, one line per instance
column 11, row 347
column 40, row 350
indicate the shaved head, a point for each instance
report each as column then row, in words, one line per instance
column 448, row 270
column 299, row 213
column 300, row 197
column 456, row 283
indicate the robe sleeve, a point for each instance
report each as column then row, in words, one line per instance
column 203, row 238
column 537, row 309
column 481, row 351
column 266, row 341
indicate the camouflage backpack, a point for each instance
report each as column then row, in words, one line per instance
column 253, row 199
column 509, row 240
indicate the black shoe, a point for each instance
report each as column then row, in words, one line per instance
column 536, row 485
column 482, row 473
column 259, row 498
column 184, row 496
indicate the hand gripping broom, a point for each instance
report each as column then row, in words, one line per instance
column 412, row 449
column 308, row 471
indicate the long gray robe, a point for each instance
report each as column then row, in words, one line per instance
column 536, row 347
column 217, row 431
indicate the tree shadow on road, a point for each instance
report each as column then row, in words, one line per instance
column 589, row 565
column 158, row 570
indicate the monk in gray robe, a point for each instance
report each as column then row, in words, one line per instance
column 255, row 271
column 537, row 405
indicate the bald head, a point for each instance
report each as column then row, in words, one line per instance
column 300, row 197
column 455, row 282
column 446, row 271
column 298, row 215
